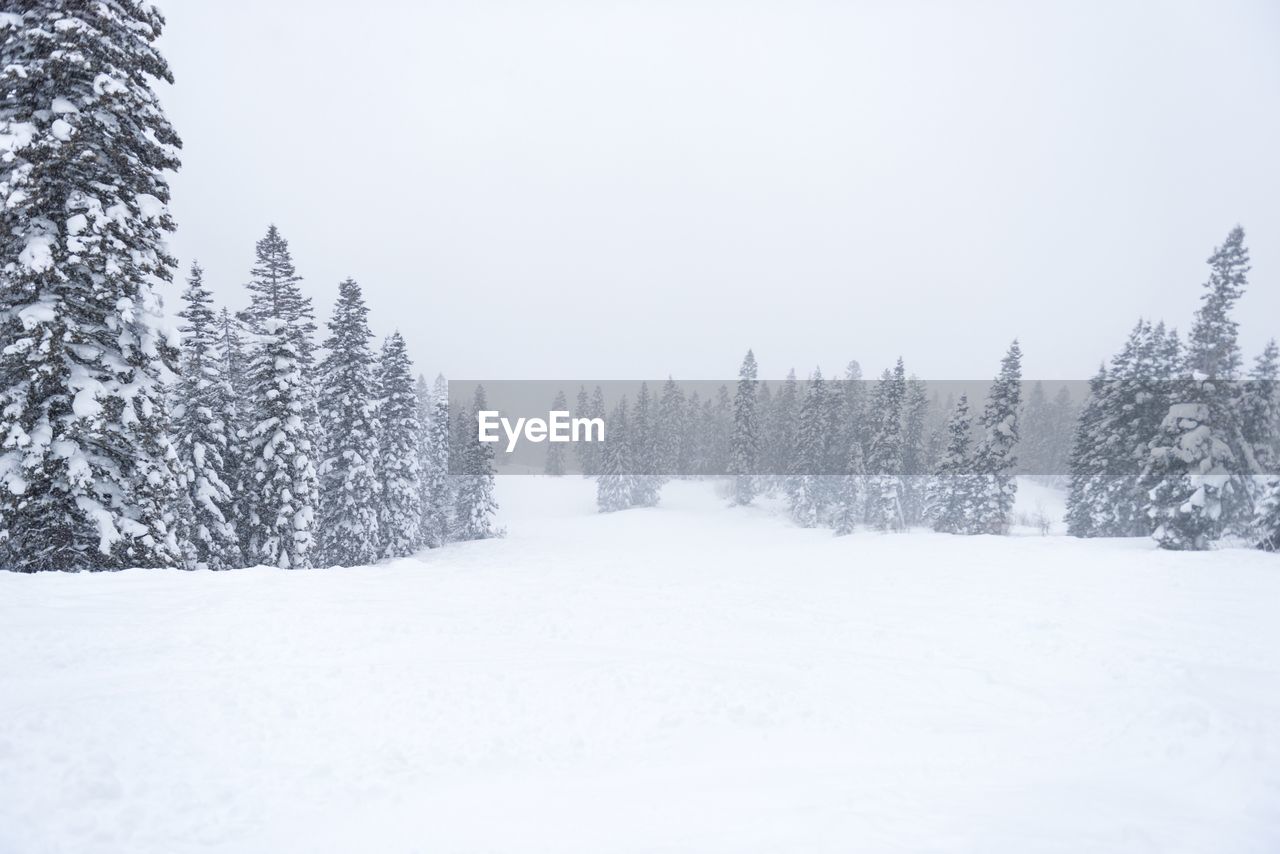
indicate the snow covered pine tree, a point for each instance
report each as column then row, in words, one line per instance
column 952, row 490
column 87, row 476
column 437, row 484
column 279, row 461
column 400, row 467
column 1193, row 457
column 348, row 532
column 994, row 458
column 474, row 504
column 746, row 433
column 807, row 487
column 884, row 458
column 203, row 396
column 615, row 483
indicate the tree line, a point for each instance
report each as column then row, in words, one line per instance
column 1175, row 440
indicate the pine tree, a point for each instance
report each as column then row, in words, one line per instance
column 848, row 505
column 350, row 492
column 616, row 483
column 274, row 292
column 746, row 433
column 204, row 395
column 437, row 484
column 953, row 490
column 765, row 481
column 87, row 469
column 884, row 458
column 555, row 450
column 280, row 457
column 1267, row 522
column 1260, row 409
column 475, row 505
column 1087, row 513
column 400, row 431
column 671, row 430
column 807, row 487
column 237, row 467
column 852, row 425
column 644, row 451
column 1199, row 446
column 915, row 463
column 994, row 458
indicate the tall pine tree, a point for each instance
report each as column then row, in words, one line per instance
column 399, row 463
column 87, row 475
column 204, row 396
column 1198, row 446
column 746, row 433
column 994, row 458
column 350, row 493
column 474, row 502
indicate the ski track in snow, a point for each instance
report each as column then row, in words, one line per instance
column 687, row 678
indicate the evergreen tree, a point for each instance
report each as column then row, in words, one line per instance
column 437, row 485
column 350, row 491
column 1087, row 513
column 807, row 487
column 237, row 467
column 555, row 450
column 1267, row 522
column 1200, row 442
column 671, row 430
column 400, row 432
column 885, row 457
column 848, row 505
column 274, row 292
column 746, row 433
column 765, row 482
column 616, row 484
column 204, row 395
column 994, row 458
column 1260, row 417
column 915, row 463
column 475, row 505
column 643, row 448
column 87, row 468
column 280, row 458
column 953, row 490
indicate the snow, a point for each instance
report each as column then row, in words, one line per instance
column 690, row 677
column 61, row 130
column 37, row 255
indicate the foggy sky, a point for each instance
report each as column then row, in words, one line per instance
column 598, row 189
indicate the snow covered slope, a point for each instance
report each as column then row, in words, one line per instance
column 690, row 678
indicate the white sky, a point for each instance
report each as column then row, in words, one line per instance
column 625, row 190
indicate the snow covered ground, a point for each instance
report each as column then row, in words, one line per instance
column 690, row 678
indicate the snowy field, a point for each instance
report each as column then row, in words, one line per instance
column 690, row 678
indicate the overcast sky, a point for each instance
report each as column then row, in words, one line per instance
column 627, row 190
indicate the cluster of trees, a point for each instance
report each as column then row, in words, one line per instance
column 842, row 453
column 1178, row 441
column 293, row 456
column 240, row 443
